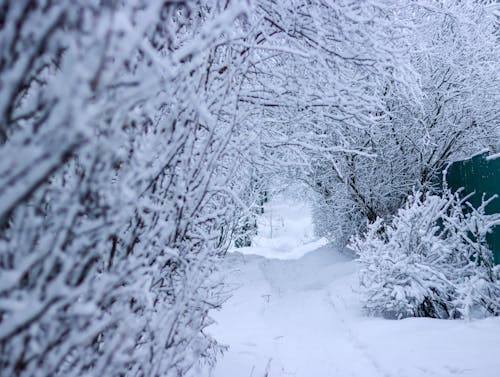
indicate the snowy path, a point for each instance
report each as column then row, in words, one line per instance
column 300, row 317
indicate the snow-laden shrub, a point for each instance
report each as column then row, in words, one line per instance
column 113, row 185
column 431, row 260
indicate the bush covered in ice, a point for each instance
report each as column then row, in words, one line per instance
column 431, row 260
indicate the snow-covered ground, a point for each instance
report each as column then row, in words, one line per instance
column 295, row 312
column 285, row 231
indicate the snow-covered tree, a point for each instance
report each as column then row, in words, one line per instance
column 447, row 109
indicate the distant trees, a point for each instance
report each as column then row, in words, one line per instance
column 310, row 91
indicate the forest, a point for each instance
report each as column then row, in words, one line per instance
column 140, row 139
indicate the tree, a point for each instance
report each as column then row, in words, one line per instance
column 446, row 110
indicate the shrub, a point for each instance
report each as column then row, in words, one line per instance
column 431, row 260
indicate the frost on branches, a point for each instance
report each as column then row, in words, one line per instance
column 431, row 260
column 446, row 109
column 112, row 174
column 133, row 134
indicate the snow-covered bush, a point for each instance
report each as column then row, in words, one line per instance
column 112, row 184
column 431, row 260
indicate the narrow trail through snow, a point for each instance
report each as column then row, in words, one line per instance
column 295, row 312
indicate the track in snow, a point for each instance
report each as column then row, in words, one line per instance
column 301, row 317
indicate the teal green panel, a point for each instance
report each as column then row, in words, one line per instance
column 480, row 176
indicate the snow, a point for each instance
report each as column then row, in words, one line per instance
column 493, row 157
column 285, row 231
column 295, row 312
